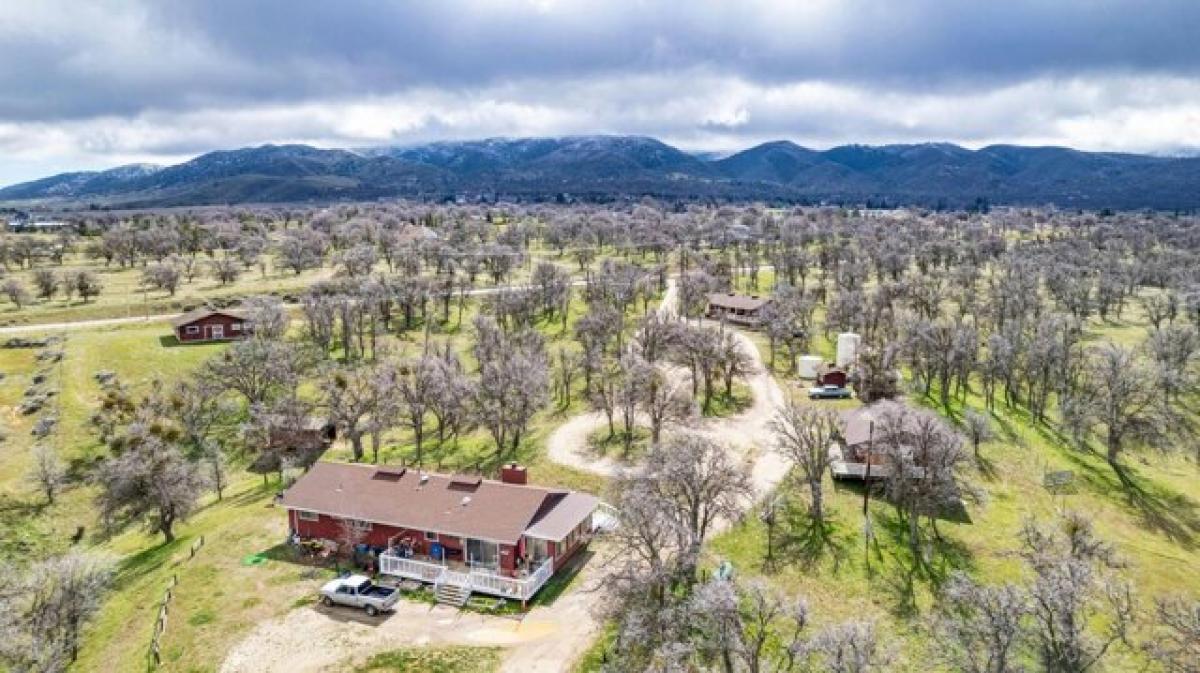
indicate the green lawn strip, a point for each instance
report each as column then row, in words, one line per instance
column 602, row 443
column 594, row 657
column 722, row 405
column 457, row 659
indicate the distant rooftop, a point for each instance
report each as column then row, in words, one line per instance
column 737, row 301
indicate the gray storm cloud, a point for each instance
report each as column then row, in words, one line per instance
column 99, row 83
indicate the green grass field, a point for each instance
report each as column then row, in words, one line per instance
column 1154, row 522
column 125, row 296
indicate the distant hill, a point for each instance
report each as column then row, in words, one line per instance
column 607, row 167
column 83, row 183
column 933, row 173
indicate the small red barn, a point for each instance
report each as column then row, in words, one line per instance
column 205, row 324
column 831, row 375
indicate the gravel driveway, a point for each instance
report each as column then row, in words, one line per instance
column 312, row 639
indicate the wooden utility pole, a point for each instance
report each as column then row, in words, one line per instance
column 867, row 532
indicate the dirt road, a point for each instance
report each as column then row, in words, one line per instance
column 83, row 324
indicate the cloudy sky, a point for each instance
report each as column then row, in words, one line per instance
column 102, row 83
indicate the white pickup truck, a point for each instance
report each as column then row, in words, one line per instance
column 359, row 592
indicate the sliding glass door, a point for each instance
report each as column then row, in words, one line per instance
column 483, row 554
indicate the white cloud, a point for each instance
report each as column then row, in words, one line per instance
column 122, row 80
column 697, row 110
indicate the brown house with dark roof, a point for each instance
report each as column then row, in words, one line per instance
column 739, row 309
column 501, row 537
column 858, row 445
column 205, row 324
column 308, row 433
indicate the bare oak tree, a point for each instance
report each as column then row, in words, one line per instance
column 804, row 434
column 980, row 629
column 43, row 611
column 1176, row 642
column 47, row 471
column 1074, row 587
column 150, row 480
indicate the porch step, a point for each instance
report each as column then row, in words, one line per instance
column 451, row 594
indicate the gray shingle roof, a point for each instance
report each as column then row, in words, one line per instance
column 737, row 301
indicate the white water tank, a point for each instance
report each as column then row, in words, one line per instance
column 807, row 365
column 847, row 349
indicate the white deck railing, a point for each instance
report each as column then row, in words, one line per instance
column 605, row 518
column 410, row 568
column 480, row 580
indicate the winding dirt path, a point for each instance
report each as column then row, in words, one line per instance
column 749, row 432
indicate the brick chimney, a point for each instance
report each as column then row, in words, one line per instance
column 512, row 473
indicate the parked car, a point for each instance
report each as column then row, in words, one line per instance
column 359, row 592
column 828, row 392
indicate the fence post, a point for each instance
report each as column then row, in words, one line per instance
column 160, row 625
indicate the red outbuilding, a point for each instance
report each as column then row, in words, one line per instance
column 831, row 375
column 205, row 324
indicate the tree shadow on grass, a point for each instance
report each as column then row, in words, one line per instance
column 1053, row 436
column 81, row 467
column 250, row 496
column 1158, row 508
column 807, row 542
column 1006, row 429
column 986, row 467
column 136, row 566
column 451, row 456
column 955, row 512
column 287, row 553
column 304, row 559
column 896, row 587
column 11, row 506
column 1171, row 513
column 904, row 571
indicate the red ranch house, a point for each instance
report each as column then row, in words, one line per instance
column 205, row 324
column 461, row 533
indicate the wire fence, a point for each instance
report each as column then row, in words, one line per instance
column 164, row 610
